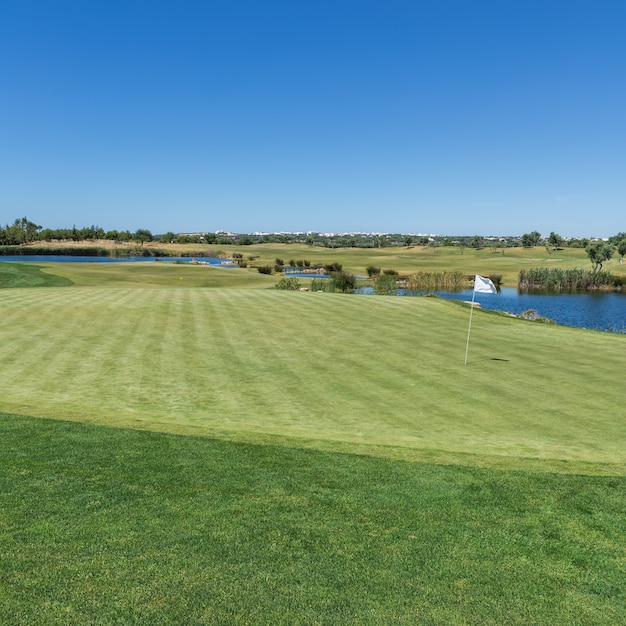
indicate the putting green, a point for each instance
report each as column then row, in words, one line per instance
column 359, row 372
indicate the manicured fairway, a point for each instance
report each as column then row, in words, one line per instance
column 381, row 374
column 103, row 525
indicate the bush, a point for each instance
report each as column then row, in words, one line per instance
column 372, row 271
column 291, row 284
column 264, row 269
column 344, row 281
column 496, row 279
column 390, row 272
column 333, row 267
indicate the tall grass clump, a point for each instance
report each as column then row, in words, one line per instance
column 323, row 284
column 437, row 281
column 386, row 285
column 565, row 280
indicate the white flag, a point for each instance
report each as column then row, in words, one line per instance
column 484, row 285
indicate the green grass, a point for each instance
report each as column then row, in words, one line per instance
column 351, row 370
column 152, row 274
column 112, row 526
column 301, row 458
column 418, row 258
column 24, row 275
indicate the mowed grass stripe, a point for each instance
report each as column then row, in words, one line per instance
column 358, row 370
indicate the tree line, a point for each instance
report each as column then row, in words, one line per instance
column 24, row 231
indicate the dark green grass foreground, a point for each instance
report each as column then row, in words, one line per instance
column 105, row 525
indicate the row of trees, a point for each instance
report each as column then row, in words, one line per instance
column 25, row 231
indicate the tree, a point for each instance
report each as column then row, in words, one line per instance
column 22, row 231
column 142, row 235
column 530, row 240
column 478, row 242
column 408, row 241
column 555, row 240
column 599, row 252
column 621, row 250
column 168, row 237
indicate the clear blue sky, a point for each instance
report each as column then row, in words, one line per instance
column 428, row 116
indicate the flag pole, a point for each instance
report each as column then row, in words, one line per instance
column 469, row 328
column 482, row 285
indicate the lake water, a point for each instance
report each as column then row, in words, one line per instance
column 59, row 258
column 596, row 311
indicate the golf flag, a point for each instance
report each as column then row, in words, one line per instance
column 481, row 285
column 484, row 285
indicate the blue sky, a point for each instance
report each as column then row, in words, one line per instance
column 451, row 117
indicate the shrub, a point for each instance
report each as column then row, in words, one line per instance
column 372, row 271
column 390, row 272
column 264, row 269
column 344, row 281
column 291, row 284
column 333, row 267
column 496, row 279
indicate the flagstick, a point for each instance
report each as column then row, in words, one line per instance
column 470, row 325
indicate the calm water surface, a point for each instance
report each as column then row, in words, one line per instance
column 596, row 311
column 59, row 258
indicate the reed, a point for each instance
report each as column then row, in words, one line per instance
column 437, row 281
column 565, row 280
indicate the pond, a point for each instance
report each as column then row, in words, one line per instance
column 594, row 311
column 59, row 258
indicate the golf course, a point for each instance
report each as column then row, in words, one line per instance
column 185, row 444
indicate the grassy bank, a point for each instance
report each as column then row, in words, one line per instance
column 110, row 526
